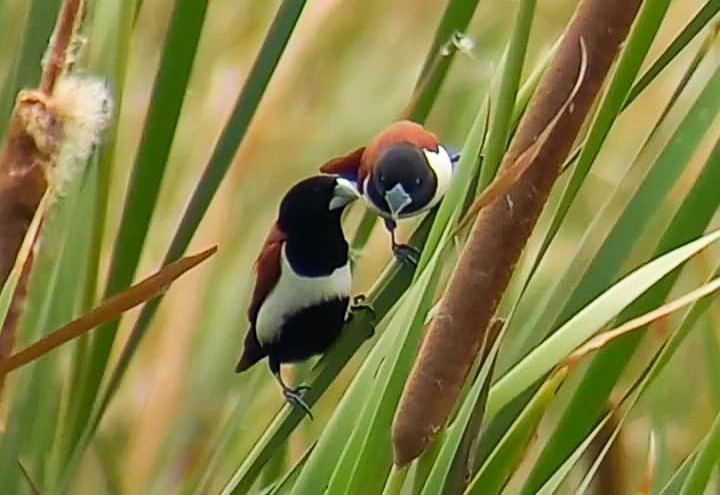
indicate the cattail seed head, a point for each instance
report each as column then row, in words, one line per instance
column 84, row 105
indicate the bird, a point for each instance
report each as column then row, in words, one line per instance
column 402, row 172
column 302, row 280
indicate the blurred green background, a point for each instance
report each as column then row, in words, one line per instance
column 348, row 71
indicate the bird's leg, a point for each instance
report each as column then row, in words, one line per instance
column 403, row 252
column 292, row 395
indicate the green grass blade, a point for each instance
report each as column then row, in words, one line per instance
column 636, row 214
column 338, row 474
column 503, row 107
column 674, row 485
column 712, row 359
column 467, row 169
column 683, row 38
column 220, row 162
column 27, row 67
column 392, row 283
column 286, row 483
column 552, row 485
column 493, row 475
column 166, row 103
column 366, row 460
column 586, row 322
column 52, row 300
column 108, row 56
column 551, row 232
column 456, row 19
column 690, row 221
column 168, row 96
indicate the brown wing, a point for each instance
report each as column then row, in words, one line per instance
column 267, row 273
column 346, row 166
column 267, row 270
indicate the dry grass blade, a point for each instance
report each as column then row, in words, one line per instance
column 649, row 477
column 57, row 57
column 514, row 166
column 603, row 339
column 107, row 311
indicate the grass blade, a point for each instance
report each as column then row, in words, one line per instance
column 499, row 134
column 587, row 321
column 150, row 162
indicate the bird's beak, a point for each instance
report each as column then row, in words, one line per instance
column 345, row 192
column 397, row 199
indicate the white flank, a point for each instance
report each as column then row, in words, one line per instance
column 441, row 163
column 294, row 292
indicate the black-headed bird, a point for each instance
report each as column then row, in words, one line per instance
column 403, row 171
column 302, row 280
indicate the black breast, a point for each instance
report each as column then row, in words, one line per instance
column 309, row 332
column 318, row 252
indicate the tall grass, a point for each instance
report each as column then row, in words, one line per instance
column 220, row 106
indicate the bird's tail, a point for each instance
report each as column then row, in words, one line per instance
column 252, row 353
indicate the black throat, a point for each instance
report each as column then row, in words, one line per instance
column 317, row 251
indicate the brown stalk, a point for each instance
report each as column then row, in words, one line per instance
column 610, row 476
column 502, row 228
column 61, row 40
column 32, row 142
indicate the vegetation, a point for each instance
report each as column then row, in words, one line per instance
column 595, row 364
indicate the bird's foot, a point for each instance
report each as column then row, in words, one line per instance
column 358, row 305
column 406, row 254
column 294, row 398
column 359, row 300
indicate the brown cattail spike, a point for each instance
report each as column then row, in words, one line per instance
column 503, row 227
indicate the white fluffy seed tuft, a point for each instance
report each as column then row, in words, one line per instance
column 84, row 104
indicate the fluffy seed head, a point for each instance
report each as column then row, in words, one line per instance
column 84, row 105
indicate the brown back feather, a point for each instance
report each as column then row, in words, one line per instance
column 267, row 273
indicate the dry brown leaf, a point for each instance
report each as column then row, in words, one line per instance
column 513, row 167
column 603, row 339
column 107, row 311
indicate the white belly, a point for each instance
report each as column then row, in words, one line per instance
column 294, row 292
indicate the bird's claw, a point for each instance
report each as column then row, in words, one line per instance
column 294, row 397
column 359, row 304
column 406, row 254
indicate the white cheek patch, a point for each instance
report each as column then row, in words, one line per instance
column 294, row 292
column 441, row 163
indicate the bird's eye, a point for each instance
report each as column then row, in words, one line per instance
column 418, row 181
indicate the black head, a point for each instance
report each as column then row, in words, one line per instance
column 315, row 203
column 402, row 181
